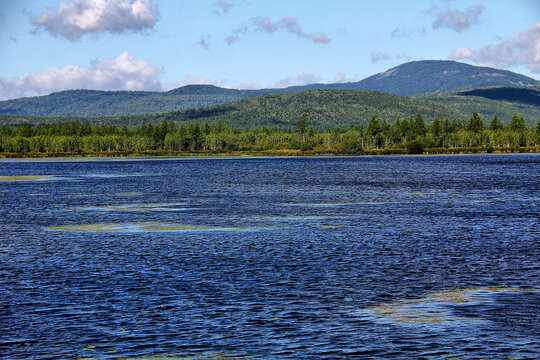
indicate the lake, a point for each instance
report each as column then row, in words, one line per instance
column 402, row 257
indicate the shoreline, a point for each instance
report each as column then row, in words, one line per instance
column 160, row 154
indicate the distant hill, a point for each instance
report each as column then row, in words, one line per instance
column 429, row 76
column 407, row 79
column 117, row 103
column 504, row 93
column 501, row 101
column 325, row 109
column 333, row 108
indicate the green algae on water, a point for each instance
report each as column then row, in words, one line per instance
column 209, row 356
column 29, row 178
column 147, row 227
column 339, row 204
column 141, row 207
column 435, row 307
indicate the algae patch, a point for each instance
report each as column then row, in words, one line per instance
column 30, row 178
column 436, row 307
column 147, row 227
column 209, row 356
column 338, row 204
column 141, row 207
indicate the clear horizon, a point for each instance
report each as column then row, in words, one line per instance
column 51, row 45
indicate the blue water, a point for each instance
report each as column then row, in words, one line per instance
column 271, row 258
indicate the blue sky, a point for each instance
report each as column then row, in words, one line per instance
column 52, row 45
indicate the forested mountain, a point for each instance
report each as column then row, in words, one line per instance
column 335, row 108
column 117, row 103
column 429, row 76
column 407, row 79
column 324, row 108
column 504, row 93
column 503, row 102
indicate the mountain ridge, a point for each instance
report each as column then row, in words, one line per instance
column 408, row 79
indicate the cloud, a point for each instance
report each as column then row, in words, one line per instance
column 287, row 23
column 235, row 36
column 302, row 79
column 249, row 85
column 378, row 57
column 223, row 7
column 343, row 78
column 455, row 19
column 522, row 48
column 402, row 33
column 120, row 73
column 77, row 18
column 204, row 41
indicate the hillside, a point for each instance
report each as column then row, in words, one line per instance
column 488, row 102
column 333, row 108
column 324, row 109
column 429, row 76
column 407, row 79
column 93, row 103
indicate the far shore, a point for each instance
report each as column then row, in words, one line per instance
column 264, row 153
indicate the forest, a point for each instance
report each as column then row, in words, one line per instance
column 404, row 136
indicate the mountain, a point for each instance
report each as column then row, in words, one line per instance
column 117, row 103
column 408, row 79
column 489, row 102
column 324, row 109
column 429, row 76
column 334, row 108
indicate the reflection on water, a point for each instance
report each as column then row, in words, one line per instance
column 281, row 258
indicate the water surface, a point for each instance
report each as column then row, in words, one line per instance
column 271, row 258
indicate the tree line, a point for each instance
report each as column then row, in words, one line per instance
column 404, row 135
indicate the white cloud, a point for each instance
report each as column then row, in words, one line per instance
column 223, row 7
column 252, row 85
column 402, row 33
column 523, row 48
column 79, row 17
column 204, row 41
column 302, row 79
column 265, row 24
column 378, row 57
column 343, row 78
column 455, row 19
column 307, row 78
column 120, row 73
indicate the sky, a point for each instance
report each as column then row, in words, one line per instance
column 52, row 45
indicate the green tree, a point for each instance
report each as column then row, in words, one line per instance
column 475, row 124
column 419, row 125
column 496, row 124
column 302, row 126
column 374, row 127
column 517, row 124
